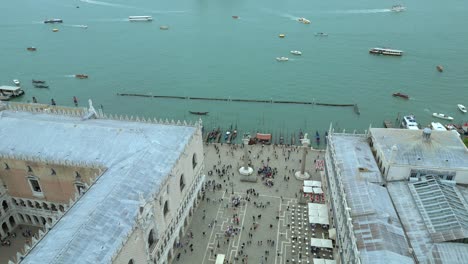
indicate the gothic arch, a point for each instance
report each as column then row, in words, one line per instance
column 151, row 239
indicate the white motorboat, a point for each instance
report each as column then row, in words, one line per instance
column 398, row 8
column 386, row 51
column 303, row 20
column 321, row 34
column 296, row 52
column 442, row 116
column 282, row 59
column 16, row 82
column 409, row 122
column 462, row 108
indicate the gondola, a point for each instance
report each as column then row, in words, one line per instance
column 198, row 113
column 41, row 86
column 37, row 81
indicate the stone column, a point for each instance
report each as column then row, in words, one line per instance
column 245, row 169
column 302, row 174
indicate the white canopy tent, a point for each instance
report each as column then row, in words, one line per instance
column 323, row 261
column 317, row 190
column 321, row 243
column 313, row 184
column 308, row 189
column 318, row 214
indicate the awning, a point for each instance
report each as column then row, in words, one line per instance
column 321, row 243
column 260, row 136
column 323, row 261
column 332, row 233
column 308, row 189
column 313, row 184
column 318, row 214
column 317, row 190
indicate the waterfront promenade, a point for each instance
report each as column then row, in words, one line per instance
column 255, row 231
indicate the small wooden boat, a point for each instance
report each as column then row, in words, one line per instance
column 405, row 96
column 235, row 17
column 198, row 113
column 440, row 68
column 462, row 108
column 81, row 76
column 31, row 48
column 37, row 81
column 41, row 86
column 442, row 116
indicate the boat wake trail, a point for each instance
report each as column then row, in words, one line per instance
column 361, row 11
column 101, row 3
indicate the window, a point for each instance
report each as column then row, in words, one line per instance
column 194, row 160
column 35, row 186
column 181, row 182
column 166, row 208
column 449, row 177
column 151, row 239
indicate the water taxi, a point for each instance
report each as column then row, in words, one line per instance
column 442, row 116
column 53, row 21
column 303, row 20
column 462, row 108
column 81, row 76
column 31, row 49
column 385, row 51
column 398, row 8
column 140, row 18
column 16, row 82
column 11, row 91
column 296, row 52
column 409, row 122
column 282, row 58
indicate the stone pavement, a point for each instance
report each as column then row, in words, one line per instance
column 258, row 230
column 17, row 243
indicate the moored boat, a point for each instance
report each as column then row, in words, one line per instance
column 442, row 116
column 282, row 58
column 401, row 95
column 440, row 68
column 321, row 34
column 198, row 113
column 81, row 76
column 296, row 52
column 31, row 49
column 41, row 86
column 140, row 18
column 11, row 91
column 462, row 108
column 409, row 122
column 386, row 51
column 53, row 20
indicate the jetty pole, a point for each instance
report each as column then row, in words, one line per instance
column 302, row 174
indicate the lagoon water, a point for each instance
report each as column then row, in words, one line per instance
column 207, row 53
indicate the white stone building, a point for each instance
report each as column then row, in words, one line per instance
column 135, row 182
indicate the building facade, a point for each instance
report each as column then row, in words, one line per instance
column 103, row 188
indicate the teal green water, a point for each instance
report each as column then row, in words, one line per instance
column 207, row 53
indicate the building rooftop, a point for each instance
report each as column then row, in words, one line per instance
column 137, row 156
column 443, row 150
column 379, row 234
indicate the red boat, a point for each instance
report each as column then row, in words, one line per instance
column 401, row 95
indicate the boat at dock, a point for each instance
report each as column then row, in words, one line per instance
column 405, row 96
column 81, row 76
column 442, row 116
column 140, row 18
column 198, row 113
column 386, row 51
column 409, row 122
column 37, row 81
column 53, row 21
column 11, row 91
column 462, row 108
column 296, row 52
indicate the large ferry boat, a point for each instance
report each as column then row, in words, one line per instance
column 385, row 51
column 54, row 20
column 7, row 92
column 409, row 122
column 140, row 18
